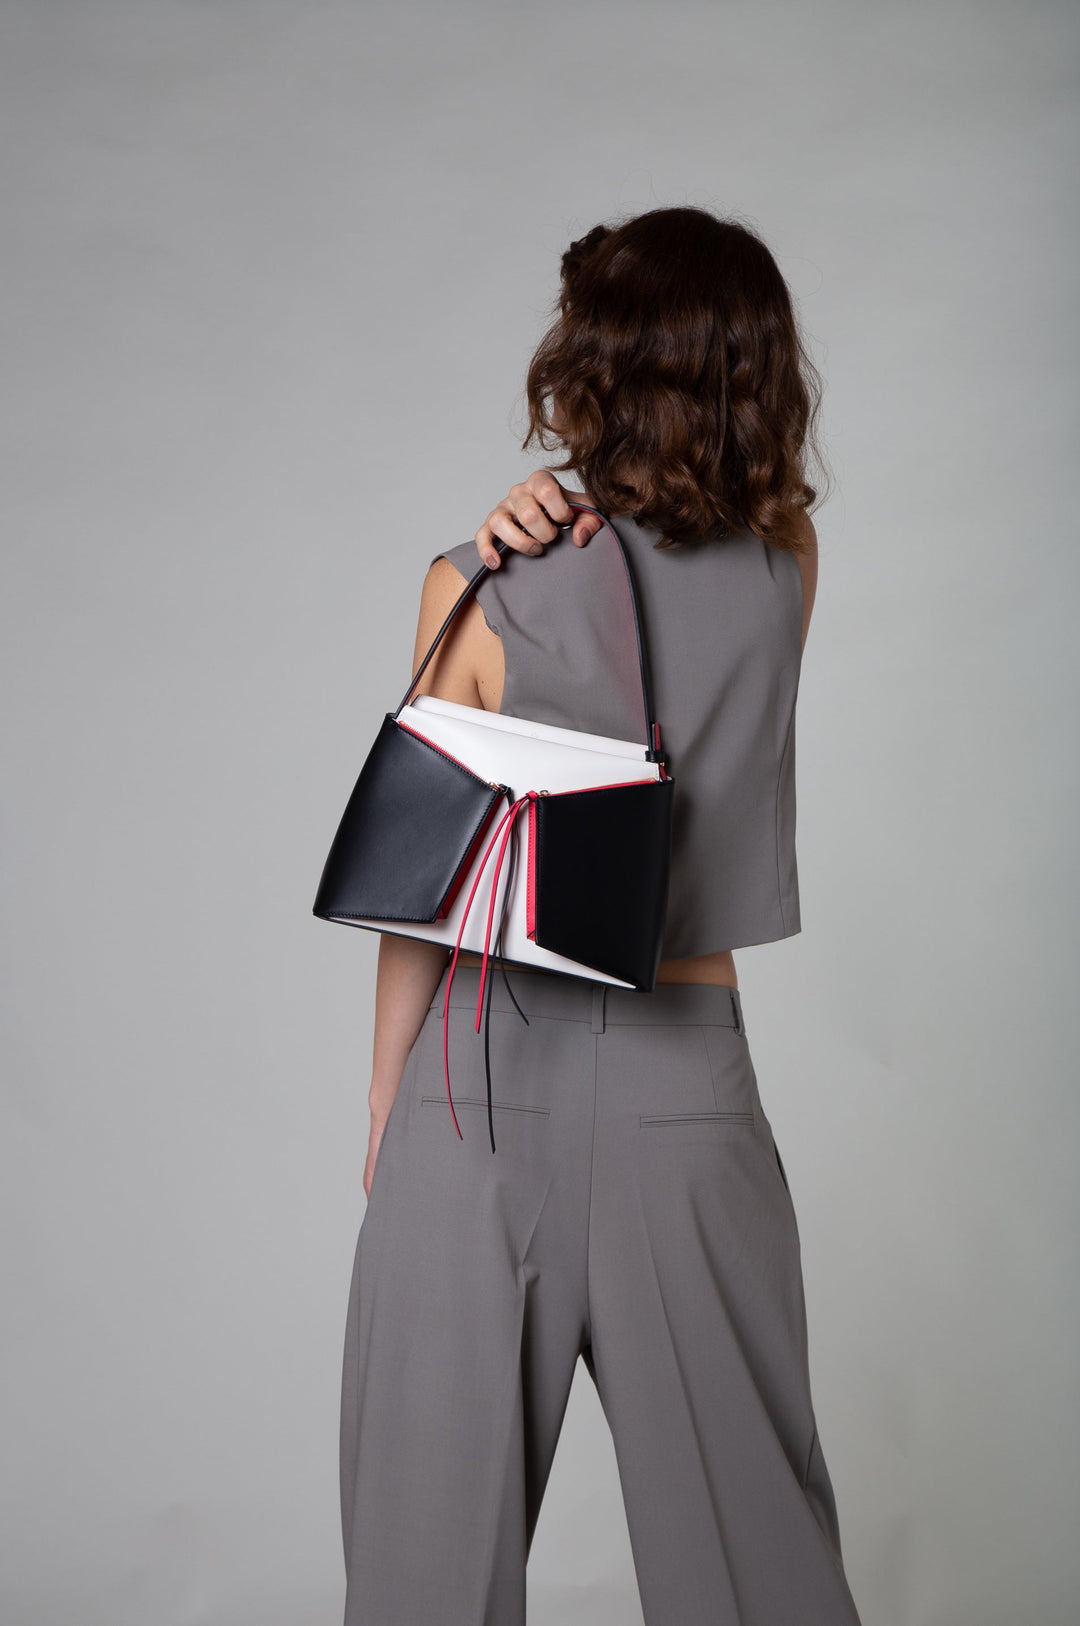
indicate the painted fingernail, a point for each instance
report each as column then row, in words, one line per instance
column 491, row 560
column 536, row 549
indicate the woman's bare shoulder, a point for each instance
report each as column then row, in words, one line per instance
column 460, row 668
column 807, row 560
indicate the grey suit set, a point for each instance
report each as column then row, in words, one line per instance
column 636, row 1212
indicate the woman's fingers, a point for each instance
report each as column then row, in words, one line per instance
column 585, row 526
column 530, row 516
column 555, row 499
column 539, row 517
column 544, row 490
column 503, row 524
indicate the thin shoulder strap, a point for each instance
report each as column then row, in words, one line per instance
column 653, row 749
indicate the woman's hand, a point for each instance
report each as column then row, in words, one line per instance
column 530, row 517
column 378, row 1124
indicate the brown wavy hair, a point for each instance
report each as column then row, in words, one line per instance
column 676, row 379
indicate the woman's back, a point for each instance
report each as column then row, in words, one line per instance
column 638, row 1212
column 722, row 622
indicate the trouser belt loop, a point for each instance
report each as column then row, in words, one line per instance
column 599, row 995
column 736, row 1014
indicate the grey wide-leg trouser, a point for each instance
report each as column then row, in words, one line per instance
column 635, row 1212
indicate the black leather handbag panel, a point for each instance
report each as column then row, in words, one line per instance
column 408, row 833
column 602, row 860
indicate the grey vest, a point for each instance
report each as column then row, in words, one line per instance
column 723, row 633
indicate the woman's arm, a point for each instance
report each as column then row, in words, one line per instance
column 808, row 569
column 409, row 968
column 408, row 975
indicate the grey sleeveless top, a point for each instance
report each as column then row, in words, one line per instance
column 723, row 634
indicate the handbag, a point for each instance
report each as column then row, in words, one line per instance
column 445, row 786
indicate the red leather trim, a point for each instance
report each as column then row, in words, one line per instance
column 530, row 874
column 507, row 820
column 466, row 865
column 415, row 732
column 617, row 785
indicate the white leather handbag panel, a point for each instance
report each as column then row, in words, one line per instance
column 525, row 755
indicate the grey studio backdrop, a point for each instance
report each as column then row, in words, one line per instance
column 271, row 277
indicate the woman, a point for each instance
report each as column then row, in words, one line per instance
column 637, row 1213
